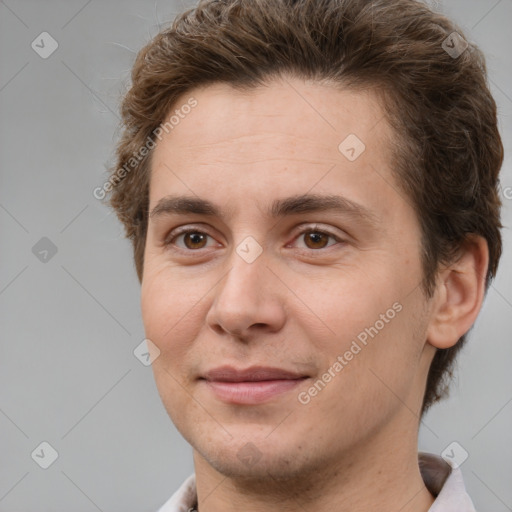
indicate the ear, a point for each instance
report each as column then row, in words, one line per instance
column 459, row 294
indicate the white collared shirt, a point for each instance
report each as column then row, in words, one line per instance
column 442, row 481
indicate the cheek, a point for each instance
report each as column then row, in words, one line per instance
column 374, row 382
column 169, row 316
column 375, row 327
column 170, row 322
column 349, row 301
column 389, row 362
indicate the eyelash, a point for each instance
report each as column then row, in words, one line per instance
column 170, row 241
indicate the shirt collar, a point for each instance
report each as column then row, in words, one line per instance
column 443, row 482
column 446, row 483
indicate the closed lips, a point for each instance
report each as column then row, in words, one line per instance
column 252, row 374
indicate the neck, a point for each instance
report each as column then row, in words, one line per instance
column 382, row 473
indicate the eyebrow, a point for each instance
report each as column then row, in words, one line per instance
column 304, row 203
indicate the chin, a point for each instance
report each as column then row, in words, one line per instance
column 253, row 456
column 250, row 465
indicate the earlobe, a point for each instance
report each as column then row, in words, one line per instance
column 459, row 294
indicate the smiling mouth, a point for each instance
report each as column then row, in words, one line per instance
column 251, row 392
column 253, row 385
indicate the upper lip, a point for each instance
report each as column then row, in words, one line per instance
column 251, row 374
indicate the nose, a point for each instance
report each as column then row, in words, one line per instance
column 247, row 300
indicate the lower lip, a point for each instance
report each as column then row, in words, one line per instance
column 251, row 392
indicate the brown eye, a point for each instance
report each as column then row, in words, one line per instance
column 190, row 240
column 316, row 239
column 194, row 240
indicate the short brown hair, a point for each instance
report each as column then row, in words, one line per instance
column 447, row 152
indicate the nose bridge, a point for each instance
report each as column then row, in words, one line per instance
column 243, row 283
column 241, row 298
column 247, row 265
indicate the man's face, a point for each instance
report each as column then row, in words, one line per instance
column 331, row 294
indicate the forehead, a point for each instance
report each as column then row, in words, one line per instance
column 285, row 106
column 285, row 138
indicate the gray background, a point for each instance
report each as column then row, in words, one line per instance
column 69, row 325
